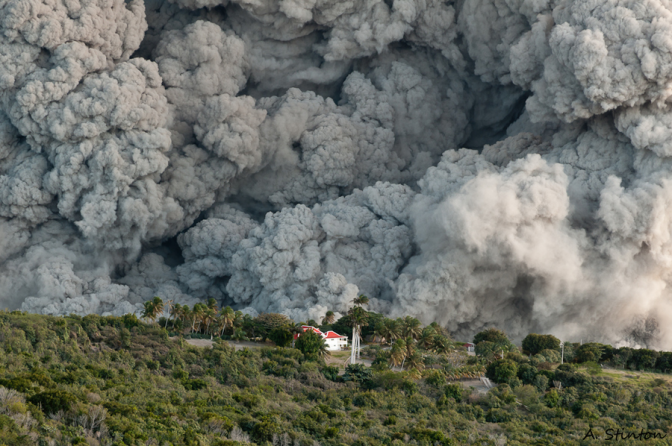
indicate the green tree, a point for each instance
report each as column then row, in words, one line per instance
column 590, row 352
column 328, row 318
column 397, row 353
column 227, row 316
column 358, row 373
column 494, row 335
column 411, row 327
column 312, row 345
column 502, row 370
column 535, row 343
column 281, row 336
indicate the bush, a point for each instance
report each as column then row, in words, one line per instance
column 53, row 401
column 454, row 391
column 502, row 370
column 435, row 378
column 310, row 344
column 281, row 336
column 358, row 373
column 331, row 373
column 552, row 398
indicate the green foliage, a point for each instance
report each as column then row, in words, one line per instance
column 359, row 374
column 53, row 401
column 311, row 345
column 591, row 352
column 281, row 336
column 502, row 370
column 535, row 343
column 493, row 335
column 454, row 391
column 58, row 373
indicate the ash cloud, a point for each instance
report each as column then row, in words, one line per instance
column 490, row 162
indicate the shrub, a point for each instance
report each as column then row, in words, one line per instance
column 53, row 401
column 281, row 336
column 502, row 370
column 435, row 378
column 552, row 398
column 358, row 373
column 454, row 391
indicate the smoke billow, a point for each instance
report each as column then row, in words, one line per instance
column 474, row 163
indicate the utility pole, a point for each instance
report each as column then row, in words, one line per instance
column 562, row 355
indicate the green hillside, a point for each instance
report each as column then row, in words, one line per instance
column 117, row 381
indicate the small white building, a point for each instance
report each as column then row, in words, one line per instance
column 333, row 340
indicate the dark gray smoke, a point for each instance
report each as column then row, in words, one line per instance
column 475, row 163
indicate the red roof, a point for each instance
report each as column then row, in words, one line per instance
column 306, row 327
column 327, row 335
column 333, row 335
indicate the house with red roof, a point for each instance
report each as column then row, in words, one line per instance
column 333, row 340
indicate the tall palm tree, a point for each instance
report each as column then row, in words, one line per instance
column 175, row 312
column 158, row 306
column 169, row 306
column 197, row 316
column 361, row 300
column 149, row 312
column 411, row 327
column 440, row 330
column 426, row 339
column 397, row 353
column 380, row 331
column 415, row 361
column 358, row 319
column 393, row 327
column 228, row 316
column 207, row 317
column 441, row 345
column 328, row 318
column 410, row 346
column 188, row 317
column 212, row 304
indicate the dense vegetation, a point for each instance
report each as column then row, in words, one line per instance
column 118, row 381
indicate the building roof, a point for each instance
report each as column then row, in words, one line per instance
column 333, row 335
column 328, row 335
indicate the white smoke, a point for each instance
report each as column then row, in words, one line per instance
column 474, row 163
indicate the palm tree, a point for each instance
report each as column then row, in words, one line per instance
column 158, row 307
column 397, row 353
column 361, row 300
column 393, row 329
column 187, row 315
column 212, row 304
column 415, row 361
column 149, row 312
column 328, row 318
column 176, row 312
column 358, row 319
column 238, row 335
column 228, row 316
column 440, row 330
column 441, row 345
column 169, row 305
column 410, row 346
column 411, row 327
column 426, row 339
column 197, row 316
column 207, row 317
column 380, row 331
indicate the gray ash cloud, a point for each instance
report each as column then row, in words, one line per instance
column 287, row 155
